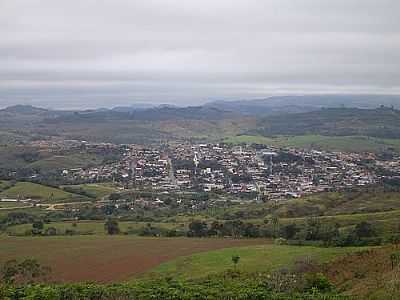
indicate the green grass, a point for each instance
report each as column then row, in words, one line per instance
column 58, row 162
column 333, row 143
column 13, row 204
column 386, row 222
column 97, row 191
column 252, row 259
column 37, row 191
column 4, row 185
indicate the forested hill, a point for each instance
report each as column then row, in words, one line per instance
column 300, row 104
column 202, row 122
column 381, row 122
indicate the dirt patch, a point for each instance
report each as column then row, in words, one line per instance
column 105, row 258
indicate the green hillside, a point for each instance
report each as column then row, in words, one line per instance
column 95, row 191
column 382, row 123
column 263, row 258
column 26, row 190
column 329, row 143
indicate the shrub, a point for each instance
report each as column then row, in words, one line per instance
column 318, row 281
column 280, row 241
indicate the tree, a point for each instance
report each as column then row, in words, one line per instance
column 235, row 260
column 27, row 271
column 289, row 231
column 112, row 227
column 38, row 225
column 275, row 225
column 9, row 271
column 51, row 231
column 364, row 230
column 198, row 229
column 313, row 228
column 114, row 196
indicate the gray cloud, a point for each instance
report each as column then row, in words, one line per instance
column 110, row 52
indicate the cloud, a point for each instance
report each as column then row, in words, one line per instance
column 117, row 52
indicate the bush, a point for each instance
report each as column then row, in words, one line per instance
column 318, row 281
column 280, row 241
column 51, row 231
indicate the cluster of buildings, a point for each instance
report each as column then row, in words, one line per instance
column 269, row 173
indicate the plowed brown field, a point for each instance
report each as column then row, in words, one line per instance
column 106, row 258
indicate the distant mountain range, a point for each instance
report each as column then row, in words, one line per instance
column 376, row 116
column 298, row 104
column 379, row 122
column 266, row 106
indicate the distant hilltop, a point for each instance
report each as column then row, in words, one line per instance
column 265, row 106
column 305, row 103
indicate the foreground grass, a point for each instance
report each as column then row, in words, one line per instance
column 262, row 258
column 219, row 288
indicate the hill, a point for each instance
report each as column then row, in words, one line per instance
column 381, row 122
column 24, row 190
column 200, row 123
column 297, row 104
column 320, row 142
column 23, row 109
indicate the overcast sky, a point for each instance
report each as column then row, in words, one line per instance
column 96, row 53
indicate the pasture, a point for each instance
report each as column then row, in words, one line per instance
column 259, row 258
column 96, row 191
column 24, row 190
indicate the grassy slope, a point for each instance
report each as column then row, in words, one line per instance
column 4, row 185
column 97, row 190
column 252, row 259
column 58, row 162
column 347, row 209
column 37, row 191
column 367, row 273
column 338, row 143
column 16, row 156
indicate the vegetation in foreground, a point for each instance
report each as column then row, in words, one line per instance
column 300, row 282
column 213, row 288
column 261, row 258
column 102, row 258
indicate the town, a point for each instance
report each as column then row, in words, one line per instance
column 253, row 172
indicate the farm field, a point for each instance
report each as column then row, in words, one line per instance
column 338, row 143
column 37, row 191
column 58, row 162
column 107, row 258
column 97, row 191
column 259, row 258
